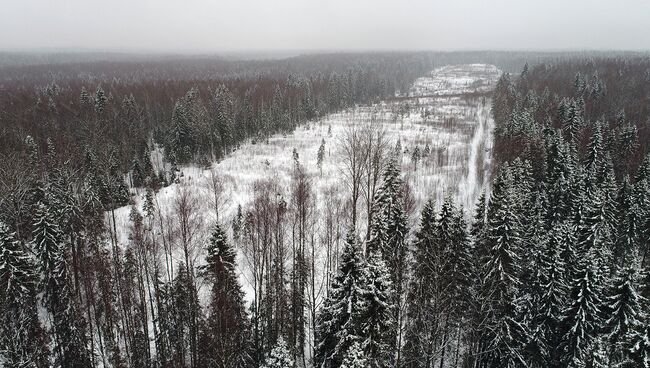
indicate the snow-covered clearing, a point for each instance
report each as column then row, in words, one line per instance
column 456, row 128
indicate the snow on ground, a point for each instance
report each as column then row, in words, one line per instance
column 457, row 129
column 455, row 79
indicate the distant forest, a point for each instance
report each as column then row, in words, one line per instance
column 552, row 270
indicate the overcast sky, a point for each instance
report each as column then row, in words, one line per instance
column 237, row 25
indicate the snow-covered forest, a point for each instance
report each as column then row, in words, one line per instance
column 413, row 209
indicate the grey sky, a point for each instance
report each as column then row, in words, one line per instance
column 214, row 25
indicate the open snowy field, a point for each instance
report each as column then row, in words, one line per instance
column 456, row 79
column 457, row 129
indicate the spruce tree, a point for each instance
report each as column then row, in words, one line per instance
column 21, row 341
column 388, row 233
column 504, row 331
column 553, row 274
column 629, row 221
column 339, row 323
column 67, row 324
column 624, row 307
column 377, row 320
column 320, row 157
column 355, row 357
column 279, row 357
column 581, row 319
column 183, row 300
column 224, row 336
column 420, row 327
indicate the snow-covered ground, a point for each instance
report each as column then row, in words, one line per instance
column 456, row 79
column 457, row 130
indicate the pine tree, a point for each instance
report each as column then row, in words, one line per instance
column 339, row 322
column 279, row 357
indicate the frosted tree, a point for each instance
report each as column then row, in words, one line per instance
column 67, row 331
column 596, row 229
column 581, row 319
column 100, row 101
column 320, row 156
column 183, row 303
column 421, row 310
column 378, row 317
column 415, row 157
column 21, row 334
column 279, row 357
column 573, row 119
column 224, row 336
column 84, row 97
column 560, row 169
column 355, row 357
column 639, row 353
column 388, row 233
column 626, row 315
column 504, row 332
column 454, row 273
column 554, row 289
column 427, row 150
column 629, row 223
column 339, row 323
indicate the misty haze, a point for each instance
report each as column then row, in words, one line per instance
column 325, row 184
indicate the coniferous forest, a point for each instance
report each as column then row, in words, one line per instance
column 550, row 268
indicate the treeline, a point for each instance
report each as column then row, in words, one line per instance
column 199, row 109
